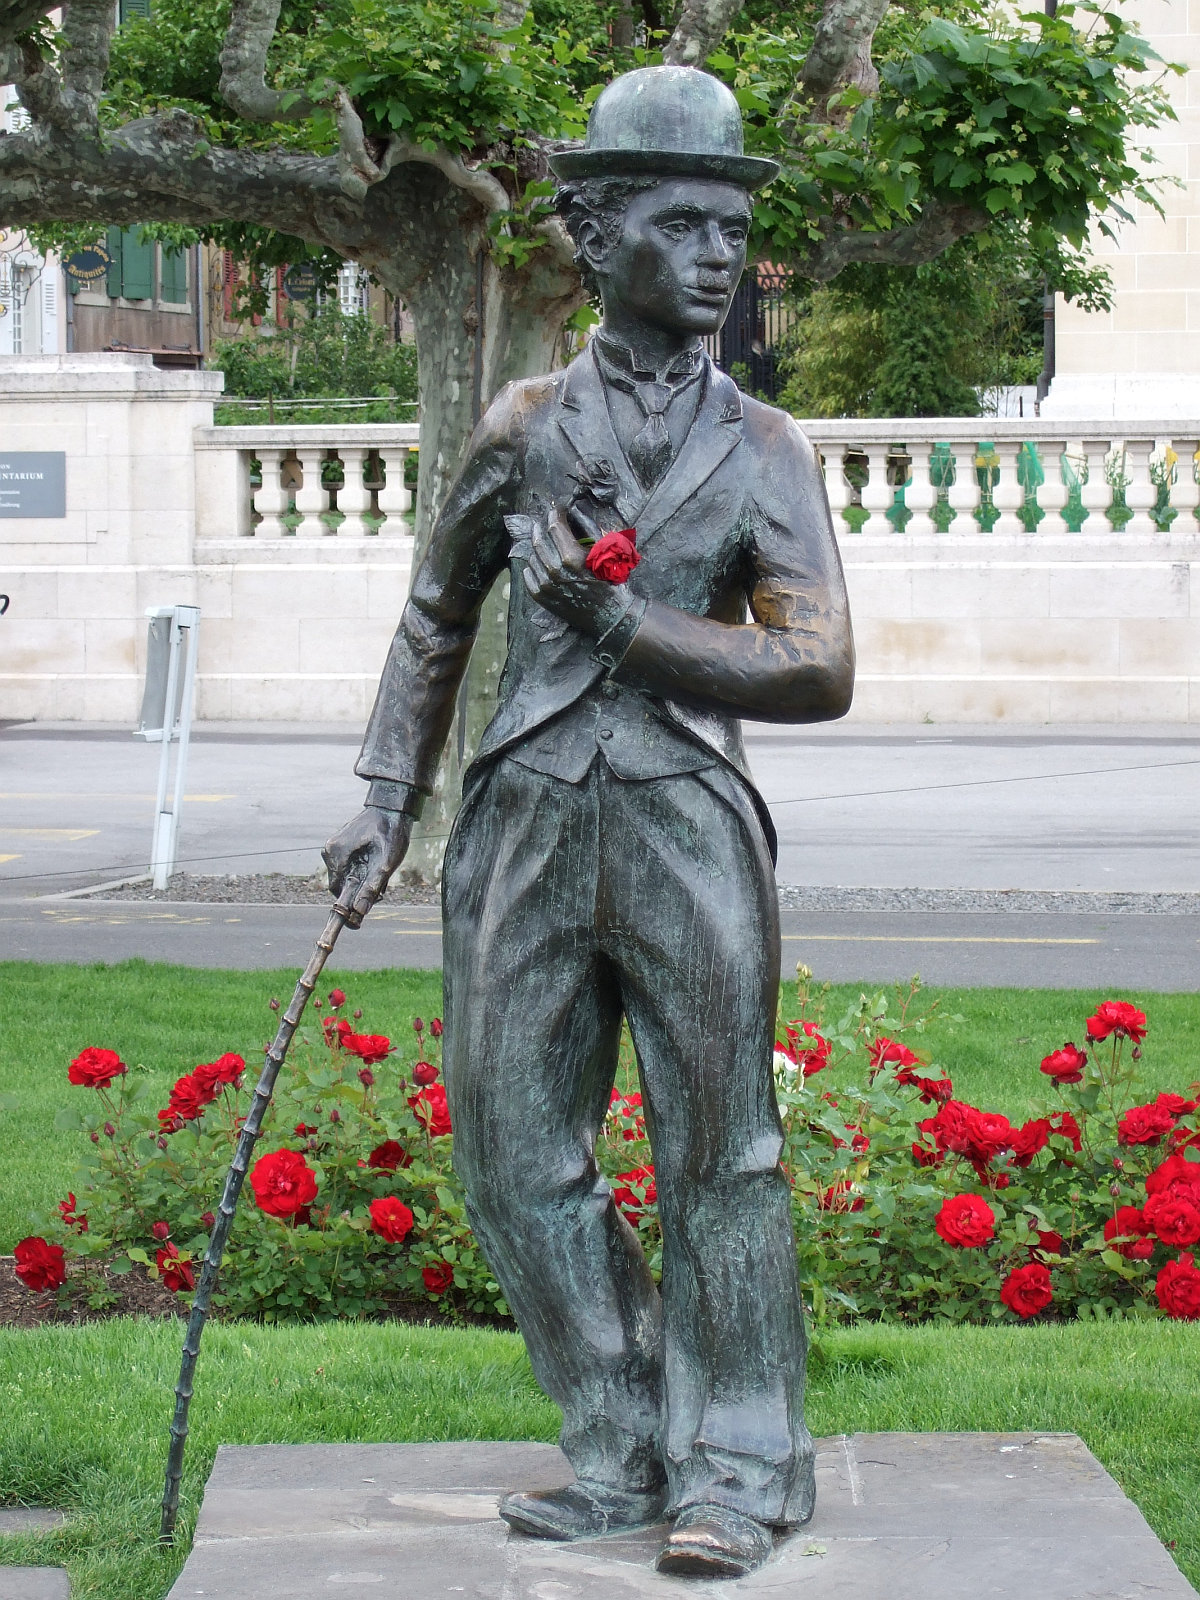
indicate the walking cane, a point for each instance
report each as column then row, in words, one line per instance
column 338, row 918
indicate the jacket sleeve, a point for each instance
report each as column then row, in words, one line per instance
column 794, row 662
column 468, row 549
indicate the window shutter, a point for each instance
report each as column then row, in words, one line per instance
column 173, row 276
column 137, row 265
column 229, row 278
column 134, row 8
column 112, row 278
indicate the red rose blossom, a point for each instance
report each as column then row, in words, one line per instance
column 966, row 1221
column 1065, row 1126
column 431, row 1110
column 840, row 1197
column 1176, row 1175
column 1029, row 1140
column 161, row 1230
column 925, row 1157
column 435, row 1027
column 425, row 1073
column 95, row 1069
column 1065, row 1065
column 388, row 1156
column 1126, row 1234
column 438, row 1278
column 368, row 1047
column 175, row 1273
column 390, row 1219
column 885, row 1052
column 1144, row 1125
column 1178, row 1289
column 1174, row 1219
column 1027, row 1290
column 614, row 556
column 73, row 1219
column 283, row 1183
column 213, row 1075
column 337, row 997
column 40, row 1265
column 625, row 1186
column 207, row 1219
column 303, row 1129
column 1176, row 1104
column 1119, row 1017
column 188, row 1099
column 933, row 1091
column 1049, row 1243
column 805, row 1047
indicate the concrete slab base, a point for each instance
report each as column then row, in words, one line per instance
column 29, row 1519
column 906, row 1516
column 34, row 1583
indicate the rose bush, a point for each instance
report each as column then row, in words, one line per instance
column 910, row 1203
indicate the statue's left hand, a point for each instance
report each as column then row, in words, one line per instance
column 557, row 578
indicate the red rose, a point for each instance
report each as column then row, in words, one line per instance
column 425, row 1073
column 431, row 1109
column 1178, row 1289
column 40, row 1265
column 840, row 1197
column 1144, row 1125
column 212, row 1075
column 1064, row 1125
column 1119, row 1017
column 95, row 1069
column 418, row 1025
column 805, row 1048
column 1175, row 1220
column 614, row 556
column 1027, row 1290
column 966, row 1220
column 390, row 1219
column 634, row 1191
column 337, row 997
column 66, row 1210
column 933, row 1091
column 188, row 1099
column 1175, row 1175
column 925, row 1157
column 1176, row 1104
column 1065, row 1065
column 435, row 1027
column 1030, row 1140
column 368, row 1047
column 283, row 1183
column 161, row 1230
column 207, row 1220
column 389, row 1155
column 366, row 1077
column 1126, row 1233
column 1051, row 1244
column 175, row 1272
column 303, row 1129
column 438, row 1278
column 885, row 1052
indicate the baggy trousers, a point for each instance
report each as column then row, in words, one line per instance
column 566, row 905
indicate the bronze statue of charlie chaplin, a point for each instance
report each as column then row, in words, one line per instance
column 611, row 857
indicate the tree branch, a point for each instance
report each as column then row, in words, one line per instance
column 18, row 16
column 840, row 56
column 243, row 84
column 483, row 187
column 701, row 27
column 87, row 31
column 935, row 230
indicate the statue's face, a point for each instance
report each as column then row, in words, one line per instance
column 680, row 254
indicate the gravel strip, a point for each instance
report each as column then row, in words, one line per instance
column 277, row 888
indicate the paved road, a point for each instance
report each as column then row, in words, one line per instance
column 1029, row 950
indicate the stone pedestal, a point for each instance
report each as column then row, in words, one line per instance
column 901, row 1516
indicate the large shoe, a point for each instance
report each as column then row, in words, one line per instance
column 581, row 1510
column 711, row 1541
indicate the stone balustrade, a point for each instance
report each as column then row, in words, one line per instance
column 308, row 481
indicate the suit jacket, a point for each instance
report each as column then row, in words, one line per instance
column 739, row 520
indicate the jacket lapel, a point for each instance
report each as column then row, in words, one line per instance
column 583, row 417
column 714, row 433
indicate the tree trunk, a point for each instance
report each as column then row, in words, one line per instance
column 478, row 326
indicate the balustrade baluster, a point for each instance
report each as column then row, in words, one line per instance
column 271, row 499
column 1053, row 491
column 1141, row 492
column 877, row 494
column 1007, row 493
column 395, row 497
column 964, row 491
column 1096, row 492
column 1186, row 493
column 836, row 485
column 919, row 492
column 354, row 498
column 312, row 498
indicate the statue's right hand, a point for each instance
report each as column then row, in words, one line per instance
column 362, row 856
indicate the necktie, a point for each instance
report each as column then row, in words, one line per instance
column 650, row 450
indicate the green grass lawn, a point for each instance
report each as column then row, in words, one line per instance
column 84, row 1412
column 167, row 1019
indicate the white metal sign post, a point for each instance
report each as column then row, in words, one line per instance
column 167, row 716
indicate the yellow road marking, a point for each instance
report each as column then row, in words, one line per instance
column 10, row 858
column 917, row 938
column 71, row 834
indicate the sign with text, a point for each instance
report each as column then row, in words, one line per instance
column 89, row 265
column 33, row 483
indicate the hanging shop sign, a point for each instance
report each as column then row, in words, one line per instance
column 88, row 266
column 300, row 282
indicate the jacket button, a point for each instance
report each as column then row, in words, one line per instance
column 606, row 733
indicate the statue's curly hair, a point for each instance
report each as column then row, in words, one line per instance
column 603, row 201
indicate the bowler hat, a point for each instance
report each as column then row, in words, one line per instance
column 669, row 120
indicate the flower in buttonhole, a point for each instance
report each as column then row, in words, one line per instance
column 966, row 1221
column 424, row 1073
column 1065, row 1065
column 39, row 1264
column 1178, row 1289
column 72, row 1218
column 613, row 556
column 388, row 1156
column 431, row 1111
column 1126, row 1233
column 390, row 1219
column 337, row 997
column 1028, row 1289
column 1144, row 1124
column 283, row 1183
column 1174, row 1219
column 1119, row 1017
column 438, row 1278
column 806, row 1051
column 174, row 1270
column 95, row 1069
